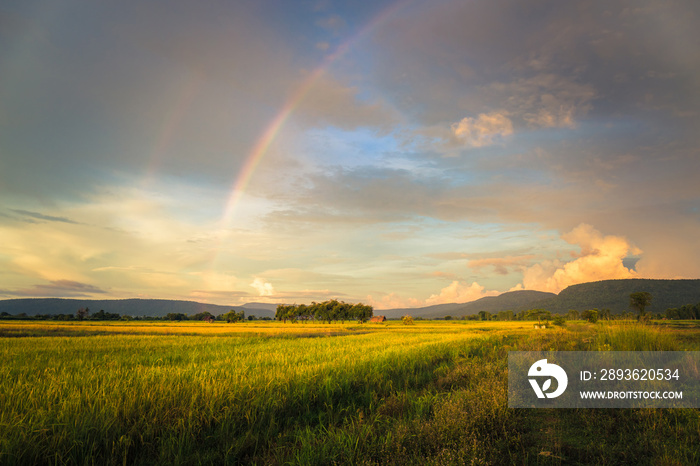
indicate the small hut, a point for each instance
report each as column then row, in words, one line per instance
column 377, row 319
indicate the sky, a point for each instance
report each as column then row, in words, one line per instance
column 399, row 153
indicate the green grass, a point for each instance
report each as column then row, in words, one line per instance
column 266, row 393
column 632, row 337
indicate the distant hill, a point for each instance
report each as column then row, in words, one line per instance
column 512, row 300
column 257, row 306
column 615, row 295
column 132, row 307
column 606, row 294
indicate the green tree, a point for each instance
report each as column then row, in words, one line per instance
column 232, row 316
column 590, row 315
column 303, row 312
column 407, row 320
column 505, row 315
column 538, row 314
column 687, row 312
column 362, row 312
column 673, row 313
column 559, row 320
column 82, row 313
column 283, row 313
column 639, row 301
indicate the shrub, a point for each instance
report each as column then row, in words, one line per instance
column 559, row 320
column 590, row 315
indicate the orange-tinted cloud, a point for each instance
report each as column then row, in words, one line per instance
column 600, row 259
column 393, row 301
column 456, row 292
column 501, row 265
column 459, row 292
column 484, row 130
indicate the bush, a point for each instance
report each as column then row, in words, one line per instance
column 407, row 320
column 590, row 315
column 559, row 320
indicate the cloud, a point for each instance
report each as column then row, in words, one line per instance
column 601, row 258
column 393, row 301
column 501, row 265
column 264, row 288
column 220, row 296
column 459, row 292
column 609, row 49
column 332, row 102
column 38, row 216
column 551, row 114
column 56, row 288
column 484, row 130
column 546, row 100
column 209, row 83
column 364, row 194
column 217, row 282
column 333, row 23
column 187, row 100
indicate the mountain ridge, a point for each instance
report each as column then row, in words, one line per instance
column 604, row 294
column 510, row 300
column 614, row 295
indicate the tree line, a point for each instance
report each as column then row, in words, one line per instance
column 539, row 315
column 638, row 301
column 334, row 310
column 687, row 312
column 327, row 311
column 84, row 314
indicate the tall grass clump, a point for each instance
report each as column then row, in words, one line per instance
column 635, row 337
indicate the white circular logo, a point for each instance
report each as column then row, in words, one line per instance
column 542, row 369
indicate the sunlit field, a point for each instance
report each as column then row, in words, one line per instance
column 272, row 393
column 262, row 328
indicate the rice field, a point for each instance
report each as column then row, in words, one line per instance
column 270, row 393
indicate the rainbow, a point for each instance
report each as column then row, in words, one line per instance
column 268, row 136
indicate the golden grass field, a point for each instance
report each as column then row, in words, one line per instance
column 274, row 393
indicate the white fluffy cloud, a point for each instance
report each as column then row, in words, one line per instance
column 455, row 292
column 264, row 288
column 459, row 292
column 484, row 130
column 600, row 258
